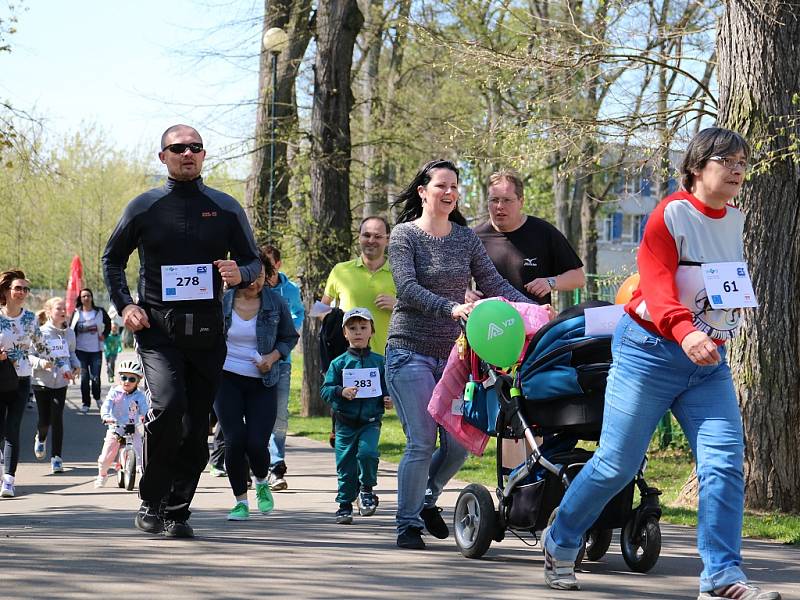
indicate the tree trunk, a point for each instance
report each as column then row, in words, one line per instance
column 374, row 195
column 756, row 99
column 328, row 235
column 387, row 166
column 588, row 247
column 293, row 17
column 689, row 492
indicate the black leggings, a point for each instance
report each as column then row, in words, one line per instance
column 50, row 402
column 246, row 410
column 12, row 407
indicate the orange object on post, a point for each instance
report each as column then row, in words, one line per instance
column 626, row 289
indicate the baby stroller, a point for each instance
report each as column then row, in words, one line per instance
column 553, row 400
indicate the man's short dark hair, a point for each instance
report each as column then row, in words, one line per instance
column 378, row 218
column 175, row 128
column 508, row 175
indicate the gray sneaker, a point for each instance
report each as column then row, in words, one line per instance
column 558, row 574
column 277, row 483
column 741, row 590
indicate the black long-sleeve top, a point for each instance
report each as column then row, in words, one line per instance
column 179, row 223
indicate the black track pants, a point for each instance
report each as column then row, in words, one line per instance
column 182, row 384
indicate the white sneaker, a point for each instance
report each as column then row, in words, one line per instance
column 276, row 483
column 100, row 481
column 56, row 465
column 7, row 491
column 740, row 590
column 38, row 448
column 558, row 574
column 84, row 409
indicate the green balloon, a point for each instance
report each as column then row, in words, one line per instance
column 496, row 333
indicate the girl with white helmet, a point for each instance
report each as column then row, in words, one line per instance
column 125, row 405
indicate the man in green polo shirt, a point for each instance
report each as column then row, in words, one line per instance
column 367, row 280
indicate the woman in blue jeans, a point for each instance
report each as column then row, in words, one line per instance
column 259, row 333
column 669, row 354
column 89, row 323
column 433, row 255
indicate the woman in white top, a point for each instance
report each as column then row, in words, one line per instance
column 89, row 324
column 19, row 336
column 259, row 332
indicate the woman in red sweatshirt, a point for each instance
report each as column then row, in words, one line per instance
column 669, row 354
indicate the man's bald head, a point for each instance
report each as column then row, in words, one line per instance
column 180, row 128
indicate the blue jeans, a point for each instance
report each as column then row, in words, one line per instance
column 422, row 473
column 91, row 362
column 649, row 376
column 277, row 441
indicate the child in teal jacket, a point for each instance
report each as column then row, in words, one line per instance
column 112, row 346
column 355, row 387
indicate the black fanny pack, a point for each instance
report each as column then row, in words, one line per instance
column 191, row 329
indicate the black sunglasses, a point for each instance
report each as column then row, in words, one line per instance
column 21, row 288
column 195, row 147
column 131, row 378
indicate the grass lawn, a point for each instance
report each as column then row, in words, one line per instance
column 667, row 470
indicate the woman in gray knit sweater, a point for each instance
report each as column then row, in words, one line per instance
column 433, row 256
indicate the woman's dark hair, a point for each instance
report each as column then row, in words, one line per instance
column 269, row 268
column 6, row 279
column 79, row 304
column 714, row 141
column 272, row 251
column 409, row 200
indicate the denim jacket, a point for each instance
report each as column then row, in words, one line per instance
column 274, row 328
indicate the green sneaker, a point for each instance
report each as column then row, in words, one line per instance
column 264, row 497
column 240, row 512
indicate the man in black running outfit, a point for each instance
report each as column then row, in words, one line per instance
column 191, row 239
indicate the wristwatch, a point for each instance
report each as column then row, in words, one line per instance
column 551, row 281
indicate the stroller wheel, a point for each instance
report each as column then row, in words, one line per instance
column 581, row 552
column 597, row 543
column 641, row 549
column 474, row 521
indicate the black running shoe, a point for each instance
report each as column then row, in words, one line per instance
column 176, row 528
column 411, row 539
column 344, row 516
column 279, row 469
column 149, row 518
column 434, row 522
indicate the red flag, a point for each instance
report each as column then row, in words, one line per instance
column 75, row 282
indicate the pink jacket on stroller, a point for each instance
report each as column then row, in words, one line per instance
column 456, row 375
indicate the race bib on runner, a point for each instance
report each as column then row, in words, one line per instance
column 186, row 282
column 367, row 381
column 728, row 285
column 58, row 348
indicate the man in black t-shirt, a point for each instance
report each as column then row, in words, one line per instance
column 529, row 252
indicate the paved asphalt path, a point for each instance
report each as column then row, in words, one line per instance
column 61, row 538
